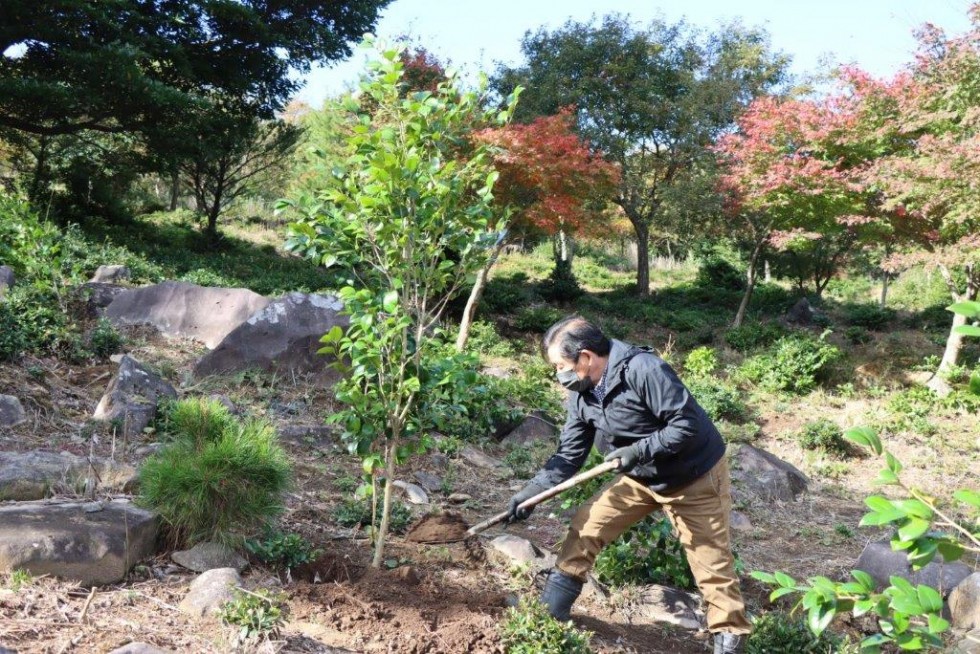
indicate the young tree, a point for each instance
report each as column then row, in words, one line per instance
column 412, row 215
column 650, row 100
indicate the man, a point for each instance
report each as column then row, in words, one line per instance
column 632, row 406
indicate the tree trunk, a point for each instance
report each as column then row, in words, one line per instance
column 642, row 258
column 474, row 300
column 174, row 188
column 954, row 342
column 743, row 306
column 382, row 533
column 38, row 182
column 768, row 274
column 883, row 300
column 565, row 246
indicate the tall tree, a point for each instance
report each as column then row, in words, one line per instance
column 649, row 99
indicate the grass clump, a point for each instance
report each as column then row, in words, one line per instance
column 825, row 436
column 255, row 615
column 219, row 478
column 529, row 629
column 104, row 340
column 779, row 632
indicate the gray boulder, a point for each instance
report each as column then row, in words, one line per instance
column 11, row 412
column 964, row 603
column 880, row 561
column 969, row 644
column 516, row 549
column 740, row 522
column 428, row 481
column 536, row 427
column 283, row 336
column 318, row 436
column 209, row 556
column 34, row 475
column 413, row 493
column 98, row 295
column 7, row 279
column 185, row 310
column 663, row 604
column 132, row 396
column 479, row 458
column 766, row 476
column 111, row 274
column 210, row 591
column 65, row 540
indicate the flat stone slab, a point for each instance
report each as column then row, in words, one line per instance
column 516, row 549
column 139, row 648
column 34, row 475
column 964, row 603
column 11, row 412
column 479, row 458
column 111, row 274
column 66, row 540
column 664, row 604
column 209, row 556
column 186, row 310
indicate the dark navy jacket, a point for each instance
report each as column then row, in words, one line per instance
column 645, row 403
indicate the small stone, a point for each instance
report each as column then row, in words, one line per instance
column 479, row 458
column 93, row 507
column 11, row 411
column 515, row 548
column 739, row 522
column 536, row 427
column 414, row 494
column 210, row 591
column 209, row 556
column 110, row 274
column 439, row 460
column 662, row 604
column 225, row 402
column 459, row 498
column 428, row 481
column 139, row 648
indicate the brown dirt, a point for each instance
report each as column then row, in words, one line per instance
column 445, row 527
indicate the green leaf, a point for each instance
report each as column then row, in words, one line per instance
column 332, row 336
column 974, row 386
column 936, row 624
column 929, row 599
column 864, row 579
column 893, row 464
column 864, row 436
column 968, row 308
column 968, row 497
column 915, row 508
column 914, row 528
column 886, row 478
column 779, row 592
column 390, row 302
column 950, row 550
column 820, row 616
column 967, row 330
column 764, row 577
column 785, row 580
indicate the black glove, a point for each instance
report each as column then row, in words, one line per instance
column 527, row 492
column 628, row 456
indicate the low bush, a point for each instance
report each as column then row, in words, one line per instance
column 537, row 319
column 857, row 335
column 104, row 340
column 720, row 400
column 648, row 553
column 716, row 273
column 753, row 335
column 284, row 550
column 825, row 436
column 12, row 341
column 219, row 479
column 504, row 295
column 869, row 316
column 778, row 632
column 796, row 364
column 701, row 362
column 255, row 615
column 485, row 340
column 353, row 512
column 561, row 285
column 528, row 629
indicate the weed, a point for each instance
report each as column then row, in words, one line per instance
column 529, row 629
column 826, row 436
column 104, row 339
column 20, row 578
column 256, row 615
column 537, row 319
column 720, row 400
column 843, row 530
column 346, row 483
column 753, row 335
column 648, row 553
column 281, row 549
column 521, row 461
column 701, row 362
column 779, row 632
column 357, row 512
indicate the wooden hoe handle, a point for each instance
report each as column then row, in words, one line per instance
column 600, row 469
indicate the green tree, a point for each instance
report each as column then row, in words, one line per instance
column 410, row 212
column 650, row 100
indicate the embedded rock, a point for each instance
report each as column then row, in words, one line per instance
column 11, row 412
column 536, row 427
column 185, row 310
column 414, row 494
column 516, row 549
column 33, row 475
column 283, row 336
column 210, row 591
column 428, row 481
column 880, row 561
column 209, row 556
column 132, row 396
column 479, row 458
column 98, row 295
column 964, row 603
column 110, row 274
column 139, row 648
column 7, row 279
column 767, row 476
column 669, row 605
column 65, row 540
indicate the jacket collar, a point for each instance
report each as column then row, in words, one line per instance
column 619, row 354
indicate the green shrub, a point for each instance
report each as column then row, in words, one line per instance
column 857, row 335
column 720, row 400
column 285, row 550
column 352, row 512
column 105, row 340
column 222, row 479
column 561, row 285
column 716, row 273
column 537, row 319
column 911, row 409
column 779, row 632
column 701, row 362
column 529, row 629
column 869, row 316
column 795, row 364
column 752, row 335
column 648, row 553
column 256, row 614
column 826, row 436
column 12, row 341
column 505, row 295
column 200, row 421
column 485, row 340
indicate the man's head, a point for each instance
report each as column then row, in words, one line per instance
column 578, row 350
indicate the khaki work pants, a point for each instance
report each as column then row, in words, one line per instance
column 699, row 511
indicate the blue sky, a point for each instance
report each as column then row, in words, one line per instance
column 473, row 36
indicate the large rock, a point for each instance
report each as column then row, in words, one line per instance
column 11, row 412
column 428, row 481
column 7, row 279
column 209, row 556
column 801, row 313
column 186, row 310
column 767, row 476
column 479, row 458
column 668, row 605
column 536, row 427
column 283, row 336
column 132, row 396
column 880, row 561
column 92, row 545
column 34, row 475
column 964, row 603
column 98, row 295
column 210, row 591
column 111, row 274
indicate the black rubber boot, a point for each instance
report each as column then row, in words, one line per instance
column 559, row 594
column 729, row 643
